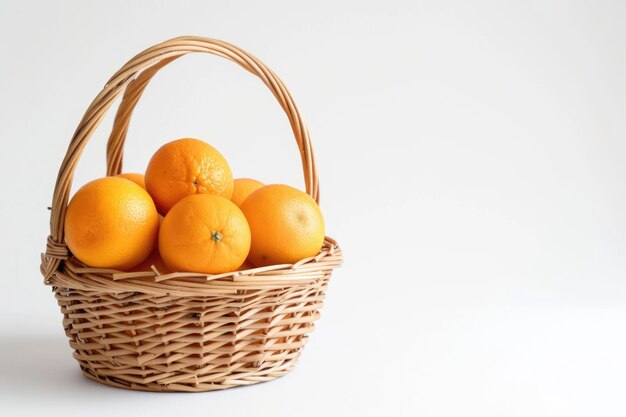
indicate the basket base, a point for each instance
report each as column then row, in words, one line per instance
column 200, row 387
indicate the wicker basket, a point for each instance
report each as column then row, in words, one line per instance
column 182, row 331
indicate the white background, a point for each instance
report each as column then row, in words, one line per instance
column 471, row 158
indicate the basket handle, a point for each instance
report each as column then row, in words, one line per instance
column 131, row 80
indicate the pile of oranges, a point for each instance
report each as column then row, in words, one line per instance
column 188, row 214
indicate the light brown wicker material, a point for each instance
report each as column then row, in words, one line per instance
column 182, row 331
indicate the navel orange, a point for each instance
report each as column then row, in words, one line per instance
column 204, row 233
column 111, row 223
column 185, row 167
column 136, row 178
column 286, row 225
column 243, row 187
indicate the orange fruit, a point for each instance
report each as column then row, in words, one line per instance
column 242, row 188
column 136, row 178
column 245, row 266
column 185, row 167
column 153, row 259
column 111, row 223
column 286, row 225
column 204, row 233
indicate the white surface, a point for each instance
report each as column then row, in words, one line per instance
column 472, row 167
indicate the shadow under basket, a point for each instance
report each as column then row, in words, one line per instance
column 182, row 331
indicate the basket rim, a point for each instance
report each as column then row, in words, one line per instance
column 74, row 275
